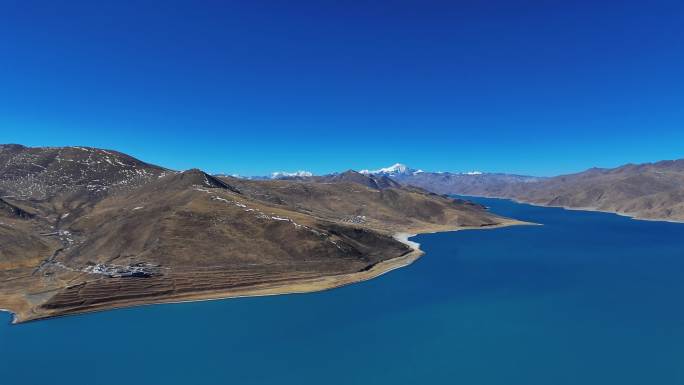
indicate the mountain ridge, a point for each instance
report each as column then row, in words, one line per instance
column 653, row 190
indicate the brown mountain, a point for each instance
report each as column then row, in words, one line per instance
column 643, row 191
column 85, row 229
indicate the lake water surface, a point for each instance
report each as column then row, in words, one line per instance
column 588, row 298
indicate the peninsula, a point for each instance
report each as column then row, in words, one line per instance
column 85, row 229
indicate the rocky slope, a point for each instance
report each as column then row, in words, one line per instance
column 85, row 229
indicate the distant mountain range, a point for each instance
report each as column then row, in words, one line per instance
column 394, row 170
column 642, row 191
column 282, row 174
column 85, row 229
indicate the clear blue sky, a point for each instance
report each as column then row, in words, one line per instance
column 534, row 87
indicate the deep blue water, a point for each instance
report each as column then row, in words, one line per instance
column 587, row 298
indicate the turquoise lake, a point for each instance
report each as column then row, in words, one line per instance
column 587, row 298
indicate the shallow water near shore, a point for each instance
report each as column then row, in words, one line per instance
column 587, row 298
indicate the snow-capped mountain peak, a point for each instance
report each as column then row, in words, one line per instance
column 395, row 169
column 283, row 174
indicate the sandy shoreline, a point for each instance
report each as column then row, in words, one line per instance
column 300, row 286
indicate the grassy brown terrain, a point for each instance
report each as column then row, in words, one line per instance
column 85, row 229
